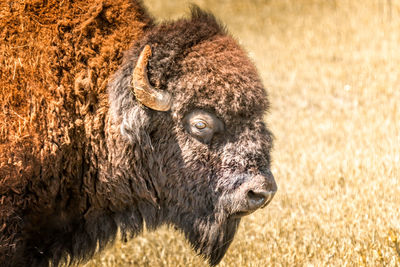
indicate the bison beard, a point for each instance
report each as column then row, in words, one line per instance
column 211, row 238
column 175, row 136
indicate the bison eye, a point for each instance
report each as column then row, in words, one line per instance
column 202, row 125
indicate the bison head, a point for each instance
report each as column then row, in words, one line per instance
column 191, row 116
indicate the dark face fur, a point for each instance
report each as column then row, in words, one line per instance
column 207, row 158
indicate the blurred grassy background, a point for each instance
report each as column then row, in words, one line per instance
column 332, row 70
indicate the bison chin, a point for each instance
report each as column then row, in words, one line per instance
column 210, row 236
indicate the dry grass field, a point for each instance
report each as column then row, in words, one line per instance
column 332, row 70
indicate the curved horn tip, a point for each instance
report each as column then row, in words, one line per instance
column 146, row 51
column 144, row 92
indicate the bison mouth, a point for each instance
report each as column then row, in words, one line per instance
column 242, row 213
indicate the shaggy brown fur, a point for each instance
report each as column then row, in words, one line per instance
column 78, row 162
column 56, row 59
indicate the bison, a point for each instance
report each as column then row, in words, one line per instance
column 95, row 140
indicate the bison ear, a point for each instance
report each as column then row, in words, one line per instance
column 144, row 92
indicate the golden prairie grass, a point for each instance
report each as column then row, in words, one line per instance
column 332, row 70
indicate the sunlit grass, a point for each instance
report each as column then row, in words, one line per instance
column 332, row 70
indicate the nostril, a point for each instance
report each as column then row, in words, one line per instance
column 255, row 196
column 255, row 199
column 258, row 199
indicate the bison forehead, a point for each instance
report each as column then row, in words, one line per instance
column 217, row 74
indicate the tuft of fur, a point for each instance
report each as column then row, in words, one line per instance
column 92, row 161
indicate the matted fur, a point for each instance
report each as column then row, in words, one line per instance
column 89, row 161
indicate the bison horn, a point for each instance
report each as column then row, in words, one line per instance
column 144, row 92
